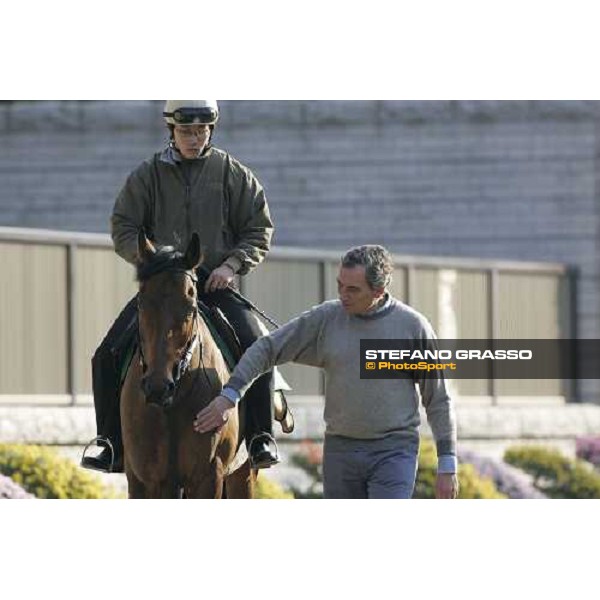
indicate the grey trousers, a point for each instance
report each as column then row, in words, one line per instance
column 358, row 469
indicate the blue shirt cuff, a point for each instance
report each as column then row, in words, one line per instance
column 231, row 394
column 447, row 464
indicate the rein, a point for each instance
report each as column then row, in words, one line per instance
column 245, row 301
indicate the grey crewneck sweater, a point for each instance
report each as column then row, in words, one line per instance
column 327, row 337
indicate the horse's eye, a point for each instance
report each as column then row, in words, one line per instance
column 187, row 312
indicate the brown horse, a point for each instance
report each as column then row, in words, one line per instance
column 177, row 370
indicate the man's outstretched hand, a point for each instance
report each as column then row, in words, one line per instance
column 214, row 416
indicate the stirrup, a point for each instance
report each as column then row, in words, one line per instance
column 286, row 422
column 271, row 440
column 100, row 440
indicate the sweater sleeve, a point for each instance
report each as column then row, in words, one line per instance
column 436, row 401
column 296, row 341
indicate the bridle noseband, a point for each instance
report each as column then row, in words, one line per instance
column 181, row 367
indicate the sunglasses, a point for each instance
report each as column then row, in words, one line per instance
column 189, row 116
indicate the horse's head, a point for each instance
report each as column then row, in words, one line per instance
column 167, row 313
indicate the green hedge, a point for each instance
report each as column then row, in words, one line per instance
column 269, row 490
column 43, row 472
column 471, row 484
column 554, row 474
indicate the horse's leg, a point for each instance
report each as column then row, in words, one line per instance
column 207, row 483
column 152, row 489
column 241, row 483
column 135, row 488
column 167, row 490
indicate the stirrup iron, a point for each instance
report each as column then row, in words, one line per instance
column 100, row 440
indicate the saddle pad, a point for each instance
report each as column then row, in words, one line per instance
column 126, row 362
column 222, row 345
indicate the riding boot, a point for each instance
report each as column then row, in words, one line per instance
column 108, row 461
column 106, row 365
column 262, row 448
column 108, row 421
column 262, row 451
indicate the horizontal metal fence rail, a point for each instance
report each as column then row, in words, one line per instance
column 65, row 238
column 88, row 284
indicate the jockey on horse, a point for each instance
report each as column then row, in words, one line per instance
column 190, row 186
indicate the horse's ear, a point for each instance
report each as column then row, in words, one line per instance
column 193, row 254
column 146, row 249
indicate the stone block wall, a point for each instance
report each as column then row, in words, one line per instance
column 506, row 180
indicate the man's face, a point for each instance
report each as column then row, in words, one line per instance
column 355, row 294
column 191, row 139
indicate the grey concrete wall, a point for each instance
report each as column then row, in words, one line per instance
column 514, row 180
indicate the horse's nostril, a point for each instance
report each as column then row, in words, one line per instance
column 168, row 395
column 158, row 392
column 168, row 391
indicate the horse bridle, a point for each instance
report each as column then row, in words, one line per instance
column 183, row 364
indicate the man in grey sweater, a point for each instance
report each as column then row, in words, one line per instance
column 371, row 437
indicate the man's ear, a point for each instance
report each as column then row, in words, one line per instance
column 146, row 249
column 379, row 293
column 193, row 254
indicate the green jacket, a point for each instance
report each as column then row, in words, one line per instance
column 215, row 195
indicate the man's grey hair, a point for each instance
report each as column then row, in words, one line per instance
column 376, row 260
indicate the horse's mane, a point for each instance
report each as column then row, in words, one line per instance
column 165, row 259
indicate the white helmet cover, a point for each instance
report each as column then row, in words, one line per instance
column 191, row 112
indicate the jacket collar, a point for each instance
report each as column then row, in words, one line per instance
column 172, row 156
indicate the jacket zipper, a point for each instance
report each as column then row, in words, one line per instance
column 188, row 217
column 187, row 204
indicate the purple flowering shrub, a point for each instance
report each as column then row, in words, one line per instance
column 509, row 480
column 588, row 448
column 9, row 490
column 555, row 474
